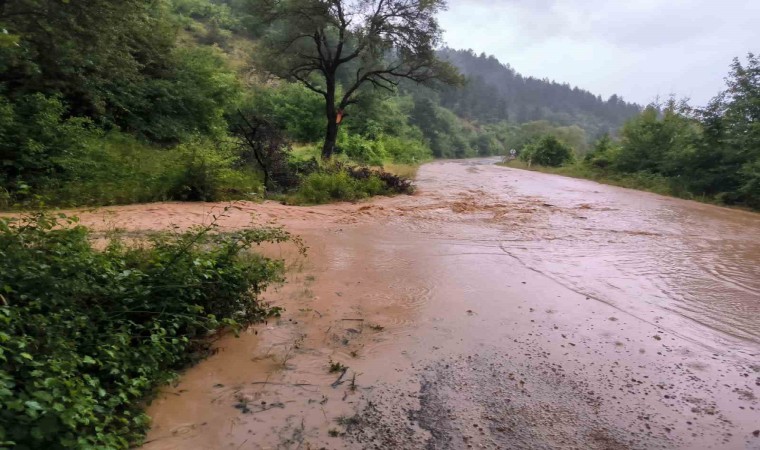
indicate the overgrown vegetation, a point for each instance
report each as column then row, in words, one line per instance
column 547, row 151
column 709, row 154
column 87, row 334
column 136, row 101
column 339, row 182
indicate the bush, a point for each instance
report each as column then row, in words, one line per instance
column 86, row 335
column 750, row 187
column 35, row 135
column 548, row 151
column 603, row 154
column 406, row 151
column 292, row 107
column 326, row 187
column 345, row 183
column 361, row 149
column 119, row 169
column 203, row 167
column 192, row 99
column 392, row 183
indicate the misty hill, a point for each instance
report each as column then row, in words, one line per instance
column 496, row 92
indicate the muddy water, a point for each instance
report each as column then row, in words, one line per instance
column 495, row 309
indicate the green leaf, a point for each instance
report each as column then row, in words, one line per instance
column 31, row 404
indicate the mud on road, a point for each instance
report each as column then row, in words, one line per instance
column 497, row 308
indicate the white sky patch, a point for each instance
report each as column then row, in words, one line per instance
column 637, row 49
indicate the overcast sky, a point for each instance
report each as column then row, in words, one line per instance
column 635, row 48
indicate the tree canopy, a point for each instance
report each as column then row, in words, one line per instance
column 335, row 47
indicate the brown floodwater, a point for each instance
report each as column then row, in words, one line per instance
column 496, row 308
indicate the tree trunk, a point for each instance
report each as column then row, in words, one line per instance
column 331, row 136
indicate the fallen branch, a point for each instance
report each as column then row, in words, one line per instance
column 339, row 381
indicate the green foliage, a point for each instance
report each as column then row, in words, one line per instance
column 35, row 136
column 725, row 161
column 548, row 151
column 330, row 186
column 207, row 173
column 446, row 134
column 217, row 15
column 292, row 107
column 86, row 335
column 108, row 170
column 118, row 169
column 406, row 151
column 603, row 153
column 192, row 98
column 362, row 150
column 106, row 65
column 656, row 143
column 93, row 54
column 341, row 48
column 749, row 190
column 488, row 144
column 343, row 182
column 711, row 154
column 518, row 136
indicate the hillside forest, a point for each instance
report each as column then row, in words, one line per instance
column 137, row 101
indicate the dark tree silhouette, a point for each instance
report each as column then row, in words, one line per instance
column 334, row 47
column 261, row 143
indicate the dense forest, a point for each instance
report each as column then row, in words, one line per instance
column 495, row 92
column 709, row 153
column 135, row 101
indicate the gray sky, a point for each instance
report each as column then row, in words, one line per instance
column 635, row 48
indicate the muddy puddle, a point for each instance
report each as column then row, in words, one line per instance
column 496, row 308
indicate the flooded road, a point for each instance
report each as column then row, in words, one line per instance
column 497, row 308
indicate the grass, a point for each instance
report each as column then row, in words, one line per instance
column 402, row 170
column 640, row 181
column 325, row 187
column 119, row 169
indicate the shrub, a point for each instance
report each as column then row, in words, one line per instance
column 292, row 107
column 325, row 187
column 603, row 154
column 548, row 151
column 362, row 150
column 192, row 99
column 86, row 335
column 394, row 184
column 35, row 135
column 341, row 182
column 750, row 187
column 406, row 151
column 119, row 169
column 203, row 165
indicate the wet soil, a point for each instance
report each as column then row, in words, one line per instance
column 497, row 308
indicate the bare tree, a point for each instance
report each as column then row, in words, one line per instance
column 334, row 47
column 261, row 143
